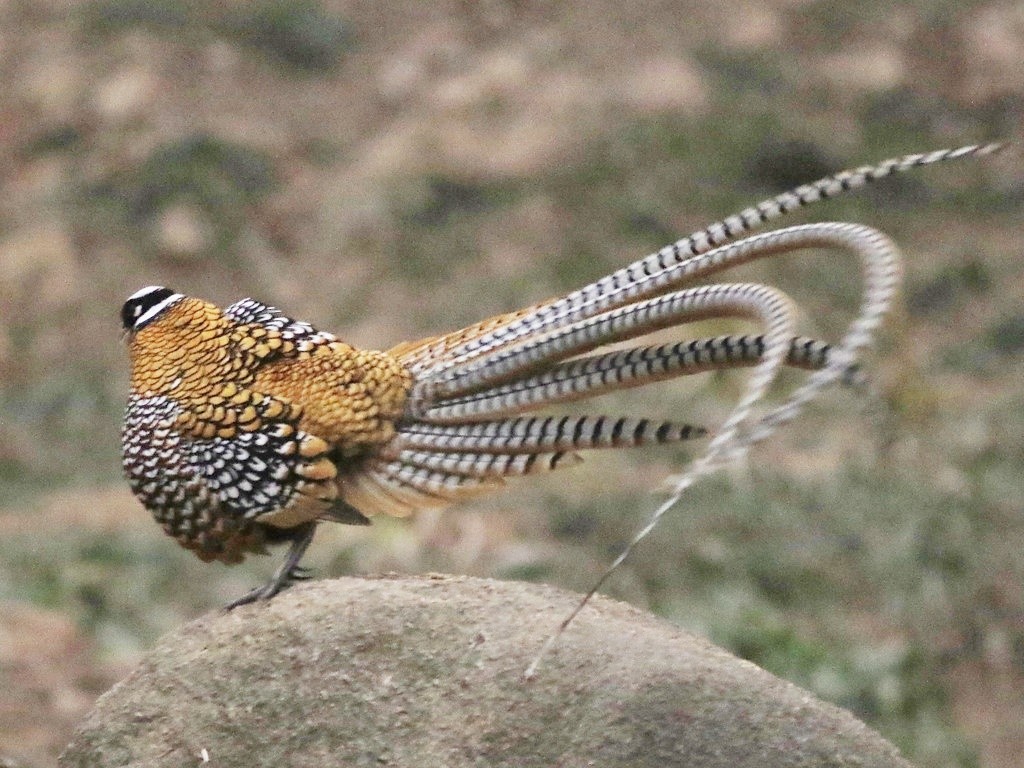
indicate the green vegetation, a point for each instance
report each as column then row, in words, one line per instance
column 215, row 179
column 298, row 34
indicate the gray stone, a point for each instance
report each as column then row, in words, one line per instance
column 429, row 672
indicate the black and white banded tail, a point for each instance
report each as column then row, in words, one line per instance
column 464, row 430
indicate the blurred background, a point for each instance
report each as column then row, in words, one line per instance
column 393, row 170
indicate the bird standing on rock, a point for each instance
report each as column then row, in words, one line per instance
column 245, row 427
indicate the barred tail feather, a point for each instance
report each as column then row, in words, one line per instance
column 535, row 435
column 675, row 265
column 449, row 469
column 462, row 432
column 398, row 489
column 430, row 466
column 622, row 369
column 749, row 301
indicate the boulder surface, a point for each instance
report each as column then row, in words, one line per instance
column 429, row 671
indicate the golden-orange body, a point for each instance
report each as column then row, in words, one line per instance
column 321, row 402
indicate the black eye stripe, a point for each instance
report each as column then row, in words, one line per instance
column 146, row 301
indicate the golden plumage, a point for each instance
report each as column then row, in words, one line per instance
column 267, row 412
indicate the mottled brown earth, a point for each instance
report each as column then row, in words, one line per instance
column 387, row 171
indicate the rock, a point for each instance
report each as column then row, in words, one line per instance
column 429, row 672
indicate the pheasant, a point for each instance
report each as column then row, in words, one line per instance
column 246, row 428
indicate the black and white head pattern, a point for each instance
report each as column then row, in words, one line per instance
column 145, row 305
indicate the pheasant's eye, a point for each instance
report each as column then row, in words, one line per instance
column 145, row 305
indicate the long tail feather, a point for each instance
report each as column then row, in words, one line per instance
column 526, row 435
column 463, row 432
column 737, row 300
column 664, row 270
column 622, row 369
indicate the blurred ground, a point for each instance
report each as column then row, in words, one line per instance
column 387, row 171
